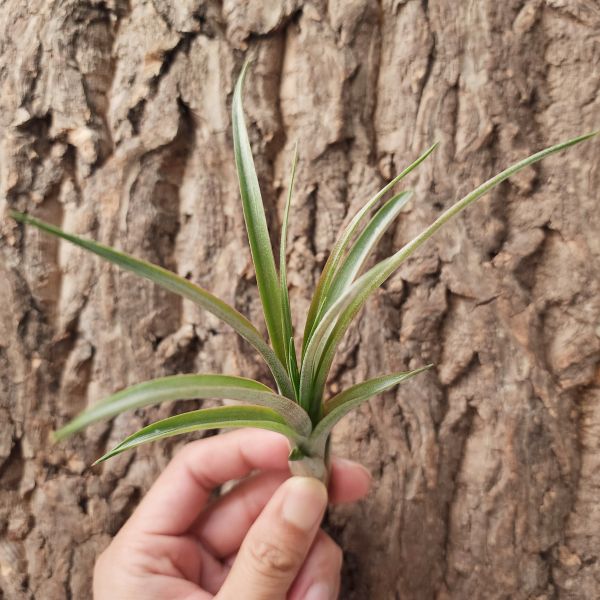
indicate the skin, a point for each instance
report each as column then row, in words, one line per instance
column 261, row 540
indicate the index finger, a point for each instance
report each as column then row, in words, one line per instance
column 183, row 488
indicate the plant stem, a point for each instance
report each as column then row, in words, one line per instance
column 316, row 465
column 310, row 466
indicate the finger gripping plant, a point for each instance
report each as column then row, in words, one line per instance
column 297, row 409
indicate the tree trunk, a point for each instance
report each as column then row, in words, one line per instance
column 115, row 124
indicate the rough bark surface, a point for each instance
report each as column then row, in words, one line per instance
column 115, row 124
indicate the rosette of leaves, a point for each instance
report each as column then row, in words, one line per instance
column 296, row 407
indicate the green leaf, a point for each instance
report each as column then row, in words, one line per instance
column 292, row 367
column 256, row 225
column 209, row 418
column 296, row 454
column 288, row 330
column 178, row 285
column 340, row 405
column 182, row 387
column 351, row 266
column 326, row 337
column 362, row 248
column 340, row 246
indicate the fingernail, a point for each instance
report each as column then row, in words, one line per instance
column 319, row 591
column 304, row 502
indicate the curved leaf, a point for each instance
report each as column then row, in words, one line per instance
column 288, row 330
column 209, row 418
column 292, row 366
column 184, row 387
column 283, row 249
column 351, row 266
column 178, row 285
column 256, row 224
column 340, row 246
column 340, row 405
column 362, row 248
column 326, row 337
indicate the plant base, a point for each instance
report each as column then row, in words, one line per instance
column 310, row 467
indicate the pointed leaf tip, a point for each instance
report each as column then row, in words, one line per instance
column 341, row 404
column 178, row 285
column 326, row 337
column 187, row 387
column 337, row 252
column 256, row 224
column 17, row 216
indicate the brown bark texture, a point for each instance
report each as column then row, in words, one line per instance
column 115, row 124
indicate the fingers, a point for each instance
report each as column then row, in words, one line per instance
column 187, row 482
column 180, row 493
column 319, row 577
column 278, row 542
column 349, row 482
column 224, row 524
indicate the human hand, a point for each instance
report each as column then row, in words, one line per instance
column 260, row 541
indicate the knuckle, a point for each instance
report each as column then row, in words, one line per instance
column 272, row 559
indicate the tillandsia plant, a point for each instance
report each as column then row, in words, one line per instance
column 297, row 409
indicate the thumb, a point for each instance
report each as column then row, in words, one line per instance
column 277, row 543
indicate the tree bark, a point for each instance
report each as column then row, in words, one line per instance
column 115, row 124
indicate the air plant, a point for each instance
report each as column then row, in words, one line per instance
column 297, row 409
